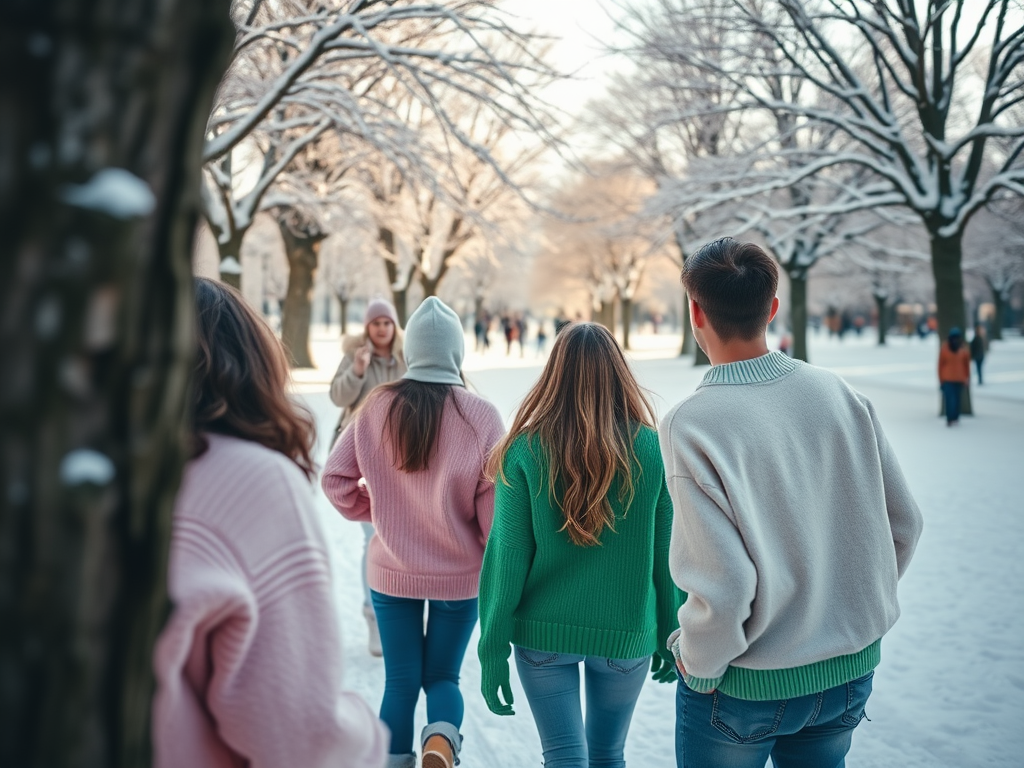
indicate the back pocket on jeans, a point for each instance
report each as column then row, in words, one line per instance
column 536, row 658
column 745, row 721
column 626, row 666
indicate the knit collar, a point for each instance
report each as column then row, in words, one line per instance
column 768, row 367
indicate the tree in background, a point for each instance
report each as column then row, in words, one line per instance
column 103, row 128
column 921, row 97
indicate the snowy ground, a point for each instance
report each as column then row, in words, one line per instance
column 950, row 690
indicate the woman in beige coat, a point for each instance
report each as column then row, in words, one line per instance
column 372, row 358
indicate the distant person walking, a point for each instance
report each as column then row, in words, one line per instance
column 979, row 348
column 370, row 359
column 248, row 665
column 791, row 557
column 954, row 374
column 412, row 463
column 576, row 569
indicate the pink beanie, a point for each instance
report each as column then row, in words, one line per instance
column 380, row 308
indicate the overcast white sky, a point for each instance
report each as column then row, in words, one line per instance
column 582, row 26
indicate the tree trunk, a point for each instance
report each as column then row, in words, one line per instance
column 303, row 252
column 998, row 317
column 798, row 313
column 627, row 320
column 399, row 297
column 232, row 249
column 882, row 308
column 96, row 352
column 344, row 315
column 947, row 255
column 687, row 345
column 429, row 285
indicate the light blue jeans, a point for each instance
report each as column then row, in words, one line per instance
column 551, row 682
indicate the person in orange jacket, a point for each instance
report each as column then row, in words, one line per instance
column 954, row 373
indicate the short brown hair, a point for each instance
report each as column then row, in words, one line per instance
column 240, row 379
column 734, row 284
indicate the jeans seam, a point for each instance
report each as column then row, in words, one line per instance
column 818, row 699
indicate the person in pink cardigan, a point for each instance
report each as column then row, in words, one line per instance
column 249, row 666
column 412, row 463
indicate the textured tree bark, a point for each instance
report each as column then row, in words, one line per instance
column 302, row 249
column 798, row 312
column 96, row 350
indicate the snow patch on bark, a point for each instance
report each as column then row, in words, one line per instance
column 84, row 465
column 113, row 191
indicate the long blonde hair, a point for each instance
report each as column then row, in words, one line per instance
column 586, row 411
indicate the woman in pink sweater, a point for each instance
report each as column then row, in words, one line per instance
column 412, row 464
column 248, row 666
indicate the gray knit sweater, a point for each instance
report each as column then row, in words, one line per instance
column 793, row 523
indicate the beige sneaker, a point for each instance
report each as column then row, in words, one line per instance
column 371, row 626
column 437, row 753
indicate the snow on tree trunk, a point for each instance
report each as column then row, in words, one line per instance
column 102, row 131
column 798, row 312
column 302, row 250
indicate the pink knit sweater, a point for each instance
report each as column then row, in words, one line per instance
column 431, row 525
column 249, row 664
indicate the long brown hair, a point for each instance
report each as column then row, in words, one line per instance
column 240, row 378
column 586, row 411
column 414, row 420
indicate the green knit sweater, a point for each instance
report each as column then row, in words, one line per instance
column 541, row 591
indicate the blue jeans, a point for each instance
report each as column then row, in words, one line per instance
column 951, row 392
column 414, row 660
column 718, row 731
column 551, row 682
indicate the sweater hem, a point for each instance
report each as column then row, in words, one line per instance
column 462, row 586
column 584, row 641
column 791, row 683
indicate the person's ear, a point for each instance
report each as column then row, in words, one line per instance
column 697, row 315
column 775, row 309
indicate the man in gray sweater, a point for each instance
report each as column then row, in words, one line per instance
column 793, row 524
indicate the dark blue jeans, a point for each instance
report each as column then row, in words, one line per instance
column 718, row 731
column 551, row 682
column 415, row 659
column 951, row 392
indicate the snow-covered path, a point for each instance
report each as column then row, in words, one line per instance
column 950, row 690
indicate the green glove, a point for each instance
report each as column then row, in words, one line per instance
column 493, row 681
column 663, row 666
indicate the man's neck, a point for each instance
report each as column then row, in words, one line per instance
column 737, row 351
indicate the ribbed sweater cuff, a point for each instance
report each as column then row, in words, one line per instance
column 775, row 684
